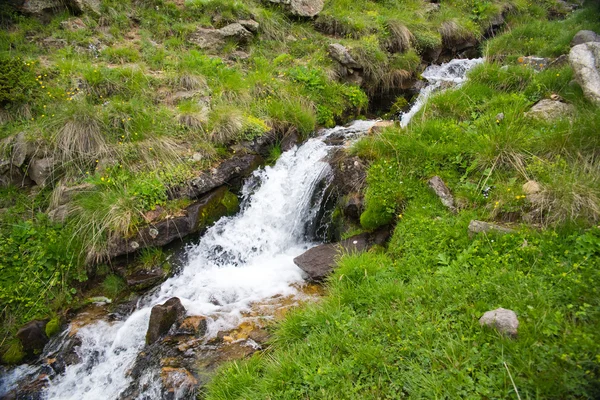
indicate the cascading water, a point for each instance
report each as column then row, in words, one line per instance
column 453, row 72
column 239, row 261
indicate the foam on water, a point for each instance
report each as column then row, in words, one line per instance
column 454, row 71
column 239, row 260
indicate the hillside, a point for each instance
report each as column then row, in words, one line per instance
column 128, row 125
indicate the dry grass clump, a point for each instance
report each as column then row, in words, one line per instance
column 400, row 39
column 80, row 139
column 454, row 35
column 190, row 82
column 227, row 124
column 570, row 190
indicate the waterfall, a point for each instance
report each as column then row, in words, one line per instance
column 240, row 260
column 453, row 72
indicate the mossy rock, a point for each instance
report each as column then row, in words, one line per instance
column 220, row 203
column 52, row 327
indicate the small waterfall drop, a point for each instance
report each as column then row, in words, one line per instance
column 452, row 72
column 240, row 260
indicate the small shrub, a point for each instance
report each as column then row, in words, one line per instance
column 113, row 286
column 17, row 81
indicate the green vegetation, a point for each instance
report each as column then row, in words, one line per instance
column 403, row 321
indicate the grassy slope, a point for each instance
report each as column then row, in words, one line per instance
column 403, row 322
column 103, row 99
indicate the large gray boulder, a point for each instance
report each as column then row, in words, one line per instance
column 584, row 37
column 302, row 8
column 162, row 318
column 46, row 8
column 585, row 61
column 503, row 320
column 33, row 336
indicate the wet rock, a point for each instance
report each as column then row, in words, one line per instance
column 582, row 37
column 197, row 216
column 290, row 139
column 235, row 167
column 380, row 126
column 214, row 39
column 179, row 383
column 349, row 172
column 193, row 326
column 354, row 206
column 486, row 227
column 549, row 110
column 319, row 261
column 162, row 317
column 442, row 191
column 503, row 320
column 302, row 8
column 145, row 279
column 585, row 61
column 41, row 171
column 33, row 336
column 537, row 63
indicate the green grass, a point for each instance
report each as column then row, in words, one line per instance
column 405, row 323
column 402, row 322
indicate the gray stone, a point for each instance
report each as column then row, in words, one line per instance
column 341, row 54
column 349, row 172
column 60, row 213
column 162, row 318
column 549, row 110
column 584, row 37
column 486, row 227
column 302, row 8
column 214, row 39
column 250, row 25
column 23, row 150
column 41, row 170
column 503, row 320
column 442, row 191
column 585, row 61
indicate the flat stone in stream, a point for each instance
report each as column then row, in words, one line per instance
column 319, row 261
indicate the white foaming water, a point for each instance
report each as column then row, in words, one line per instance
column 240, row 260
column 454, row 71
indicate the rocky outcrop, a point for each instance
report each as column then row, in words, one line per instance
column 503, row 320
column 441, row 190
column 349, row 172
column 549, row 110
column 33, row 336
column 585, row 61
column 162, row 318
column 144, row 279
column 349, row 69
column 195, row 217
column 44, row 9
column 582, row 37
column 229, row 170
column 302, row 8
column 486, row 227
column 319, row 261
column 193, row 326
column 215, row 39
